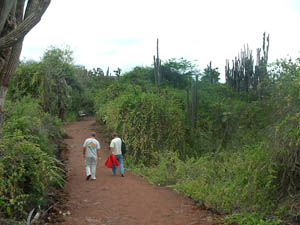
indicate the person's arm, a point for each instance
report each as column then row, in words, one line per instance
column 84, row 150
column 98, row 154
column 98, row 150
column 111, row 147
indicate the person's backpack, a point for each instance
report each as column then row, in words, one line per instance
column 123, row 147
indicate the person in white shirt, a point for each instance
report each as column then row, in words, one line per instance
column 91, row 153
column 115, row 148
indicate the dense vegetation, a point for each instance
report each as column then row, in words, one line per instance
column 240, row 156
column 42, row 95
column 233, row 150
column 29, row 168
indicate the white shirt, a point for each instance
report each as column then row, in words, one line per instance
column 116, row 143
column 91, row 145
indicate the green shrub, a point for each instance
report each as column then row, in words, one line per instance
column 27, row 171
column 166, row 173
column 28, row 164
column 26, row 116
column 233, row 181
column 228, row 182
column 149, row 123
column 251, row 219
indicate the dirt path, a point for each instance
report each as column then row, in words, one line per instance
column 113, row 200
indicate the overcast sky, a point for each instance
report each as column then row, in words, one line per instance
column 119, row 33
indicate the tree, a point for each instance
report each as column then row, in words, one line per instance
column 58, row 80
column 25, row 82
column 55, row 82
column 16, row 19
column 143, row 76
column 179, row 72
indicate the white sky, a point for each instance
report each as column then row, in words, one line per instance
column 119, row 33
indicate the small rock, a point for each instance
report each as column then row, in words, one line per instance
column 68, row 213
column 91, row 220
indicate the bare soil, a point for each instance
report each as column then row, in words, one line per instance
column 116, row 200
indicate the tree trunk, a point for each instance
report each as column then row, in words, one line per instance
column 60, row 111
column 15, row 23
column 3, row 91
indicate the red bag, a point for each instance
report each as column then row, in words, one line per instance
column 111, row 160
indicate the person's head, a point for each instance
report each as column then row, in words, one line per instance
column 93, row 134
column 115, row 135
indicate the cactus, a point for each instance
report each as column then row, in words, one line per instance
column 195, row 102
column 261, row 66
column 118, row 73
column 211, row 74
column 188, row 105
column 157, row 69
column 244, row 76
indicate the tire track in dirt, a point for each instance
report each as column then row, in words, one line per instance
column 113, row 200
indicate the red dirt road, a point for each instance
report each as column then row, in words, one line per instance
column 114, row 200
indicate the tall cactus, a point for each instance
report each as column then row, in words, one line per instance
column 195, row 102
column 261, row 66
column 157, row 69
column 247, row 67
column 188, row 105
column 211, row 74
column 244, row 76
column 118, row 73
column 228, row 74
column 107, row 72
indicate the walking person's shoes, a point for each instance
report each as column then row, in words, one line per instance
column 88, row 177
column 122, row 175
